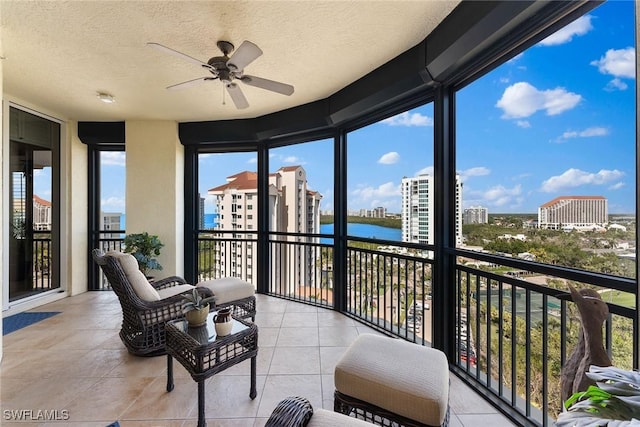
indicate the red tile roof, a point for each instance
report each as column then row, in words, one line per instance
column 241, row 181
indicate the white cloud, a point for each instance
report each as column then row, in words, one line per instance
column 618, row 63
column 252, row 160
column 516, row 58
column 617, row 186
column 572, row 178
column 587, row 133
column 115, row 204
column 523, row 100
column 389, row 158
column 290, row 159
column 616, row 84
column 497, row 196
column 383, row 195
column 113, row 158
column 579, row 27
column 477, row 171
column 523, row 124
column 425, row 171
column 409, row 119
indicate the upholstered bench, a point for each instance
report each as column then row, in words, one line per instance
column 234, row 292
column 385, row 380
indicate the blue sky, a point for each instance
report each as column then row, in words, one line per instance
column 556, row 120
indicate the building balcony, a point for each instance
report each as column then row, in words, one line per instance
column 74, row 361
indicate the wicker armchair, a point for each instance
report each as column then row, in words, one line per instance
column 143, row 321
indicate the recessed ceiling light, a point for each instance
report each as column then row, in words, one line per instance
column 106, row 97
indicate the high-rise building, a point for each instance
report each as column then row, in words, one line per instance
column 573, row 212
column 476, row 215
column 293, row 208
column 418, row 210
column 110, row 221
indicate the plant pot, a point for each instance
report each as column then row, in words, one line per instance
column 197, row 317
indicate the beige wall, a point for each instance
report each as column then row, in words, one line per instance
column 74, row 211
column 155, row 189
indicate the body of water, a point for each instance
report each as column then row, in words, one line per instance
column 365, row 230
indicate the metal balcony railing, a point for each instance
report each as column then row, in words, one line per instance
column 512, row 333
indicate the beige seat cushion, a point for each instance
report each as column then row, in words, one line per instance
column 404, row 378
column 139, row 283
column 229, row 289
column 174, row 290
column 324, row 418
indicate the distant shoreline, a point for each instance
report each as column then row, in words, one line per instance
column 382, row 222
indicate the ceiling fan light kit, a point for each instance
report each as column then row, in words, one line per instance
column 107, row 98
column 228, row 69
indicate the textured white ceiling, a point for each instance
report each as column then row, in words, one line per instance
column 59, row 54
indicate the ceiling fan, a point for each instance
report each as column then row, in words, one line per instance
column 227, row 69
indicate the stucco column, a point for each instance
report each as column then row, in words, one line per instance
column 155, row 188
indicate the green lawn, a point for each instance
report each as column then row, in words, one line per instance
column 620, row 298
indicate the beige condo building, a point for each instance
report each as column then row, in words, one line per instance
column 573, row 212
column 293, row 209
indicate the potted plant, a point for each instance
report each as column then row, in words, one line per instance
column 195, row 307
column 145, row 248
column 613, row 401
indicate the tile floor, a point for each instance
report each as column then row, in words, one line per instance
column 74, row 361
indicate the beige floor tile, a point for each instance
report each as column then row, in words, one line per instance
column 137, row 366
column 267, row 337
column 328, row 387
column 332, row 318
column 48, row 393
column 329, row 356
column 300, row 319
column 493, row 420
column 43, row 364
column 295, row 360
column 269, row 320
column 228, row 397
column 155, row 403
column 337, row 336
column 84, row 339
column 295, row 307
column 109, row 398
column 277, row 387
column 296, row 337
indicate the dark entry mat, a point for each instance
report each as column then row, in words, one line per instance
column 20, row 320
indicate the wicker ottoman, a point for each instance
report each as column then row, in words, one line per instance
column 235, row 293
column 388, row 381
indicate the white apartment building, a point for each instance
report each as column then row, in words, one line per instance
column 293, row 208
column 379, row 212
column 573, row 212
column 41, row 214
column 476, row 215
column 418, row 210
column 110, row 221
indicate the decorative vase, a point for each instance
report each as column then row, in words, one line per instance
column 197, row 317
column 223, row 322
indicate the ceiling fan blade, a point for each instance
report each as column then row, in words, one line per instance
column 179, row 54
column 237, row 96
column 243, row 56
column 267, row 84
column 189, row 83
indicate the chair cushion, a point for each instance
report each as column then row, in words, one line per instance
column 229, row 289
column 174, row 290
column 417, row 388
column 139, row 283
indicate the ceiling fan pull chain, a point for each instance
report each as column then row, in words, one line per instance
column 223, row 101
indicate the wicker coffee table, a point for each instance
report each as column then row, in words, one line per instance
column 204, row 354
